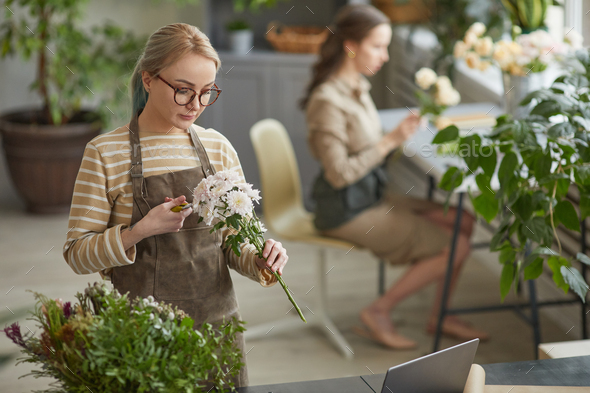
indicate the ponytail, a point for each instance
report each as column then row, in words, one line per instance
column 331, row 56
column 353, row 22
column 139, row 95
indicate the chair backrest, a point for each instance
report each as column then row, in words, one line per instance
column 279, row 173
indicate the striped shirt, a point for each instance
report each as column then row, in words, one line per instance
column 102, row 202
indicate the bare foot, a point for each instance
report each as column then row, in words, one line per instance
column 457, row 328
column 380, row 329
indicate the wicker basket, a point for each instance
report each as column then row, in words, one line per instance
column 412, row 11
column 296, row 39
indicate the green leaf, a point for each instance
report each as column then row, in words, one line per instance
column 561, row 130
column 486, row 205
column 566, row 214
column 534, row 269
column 582, row 174
column 447, row 134
column 507, row 166
column 542, row 166
column 187, row 322
column 506, row 279
column 555, row 263
column 507, row 253
column 523, row 207
column 452, row 179
column 546, row 109
column 536, row 229
column 469, row 151
column 552, row 177
column 483, row 183
column 575, row 280
column 496, row 239
column 488, row 159
column 583, row 258
column 582, row 122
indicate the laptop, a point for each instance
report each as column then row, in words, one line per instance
column 445, row 371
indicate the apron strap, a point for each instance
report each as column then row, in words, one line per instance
column 208, row 169
column 137, row 179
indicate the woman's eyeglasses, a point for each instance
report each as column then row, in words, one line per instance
column 184, row 95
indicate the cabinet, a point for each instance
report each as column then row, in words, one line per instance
column 257, row 86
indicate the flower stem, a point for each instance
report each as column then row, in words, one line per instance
column 258, row 242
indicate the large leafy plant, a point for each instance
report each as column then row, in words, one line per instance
column 109, row 343
column 537, row 160
column 73, row 64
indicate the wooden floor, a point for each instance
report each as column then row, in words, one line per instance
column 30, row 258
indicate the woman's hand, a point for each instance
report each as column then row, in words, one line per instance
column 402, row 132
column 276, row 256
column 159, row 220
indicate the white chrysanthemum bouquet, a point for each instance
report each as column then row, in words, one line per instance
column 436, row 94
column 224, row 198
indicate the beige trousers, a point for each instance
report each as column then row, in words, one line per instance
column 395, row 230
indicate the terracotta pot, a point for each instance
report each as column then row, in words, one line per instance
column 44, row 160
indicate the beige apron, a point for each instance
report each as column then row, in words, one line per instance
column 185, row 268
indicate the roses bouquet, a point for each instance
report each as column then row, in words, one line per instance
column 108, row 343
column 436, row 95
column 222, row 197
column 526, row 53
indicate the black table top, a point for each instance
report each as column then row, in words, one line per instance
column 550, row 372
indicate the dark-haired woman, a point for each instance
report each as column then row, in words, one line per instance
column 345, row 135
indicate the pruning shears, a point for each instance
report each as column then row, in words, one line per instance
column 181, row 207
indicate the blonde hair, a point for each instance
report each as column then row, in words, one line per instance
column 164, row 47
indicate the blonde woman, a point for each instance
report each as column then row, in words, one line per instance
column 345, row 135
column 121, row 223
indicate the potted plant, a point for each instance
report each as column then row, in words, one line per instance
column 241, row 36
column 75, row 66
column 107, row 342
column 536, row 160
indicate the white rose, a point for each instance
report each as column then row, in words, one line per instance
column 477, row 28
column 425, row 77
column 484, row 46
column 574, row 38
column 447, row 97
column 515, row 48
column 459, row 49
column 443, row 82
column 472, row 60
column 515, row 69
column 502, row 54
column 484, row 65
column 442, row 122
column 470, row 38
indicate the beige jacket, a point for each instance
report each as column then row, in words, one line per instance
column 344, row 130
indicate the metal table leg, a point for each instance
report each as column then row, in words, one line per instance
column 449, row 274
column 535, row 316
column 431, row 187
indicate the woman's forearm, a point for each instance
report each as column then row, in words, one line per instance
column 133, row 235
